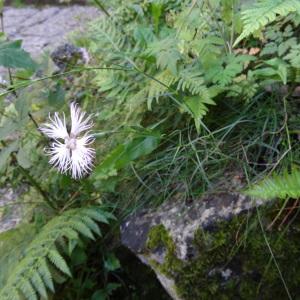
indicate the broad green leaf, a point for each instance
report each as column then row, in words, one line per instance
column 277, row 71
column 8, row 128
column 78, row 256
column 22, row 108
column 111, row 263
column 106, row 292
column 99, row 295
column 13, row 56
column 23, row 159
column 123, row 154
column 5, row 153
column 56, row 96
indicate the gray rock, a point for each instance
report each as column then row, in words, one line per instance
column 10, row 210
column 182, row 220
column 67, row 56
column 46, row 28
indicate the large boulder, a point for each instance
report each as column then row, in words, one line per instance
column 216, row 247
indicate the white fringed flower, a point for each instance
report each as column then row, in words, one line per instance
column 69, row 152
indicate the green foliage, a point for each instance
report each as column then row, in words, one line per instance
column 166, row 54
column 294, row 56
column 265, row 12
column 124, row 154
column 282, row 186
column 5, row 154
column 13, row 56
column 175, row 108
column 32, row 276
column 13, row 244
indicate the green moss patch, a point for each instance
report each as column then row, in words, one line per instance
column 236, row 248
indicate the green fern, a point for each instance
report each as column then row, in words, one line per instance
column 279, row 186
column 294, row 56
column 159, row 87
column 224, row 72
column 13, row 244
column 263, row 13
column 32, row 277
column 113, row 41
column 196, row 106
column 166, row 53
column 193, row 81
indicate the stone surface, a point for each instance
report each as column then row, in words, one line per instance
column 181, row 220
column 67, row 56
column 10, row 210
column 47, row 27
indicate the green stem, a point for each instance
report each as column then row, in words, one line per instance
column 31, row 82
column 101, row 6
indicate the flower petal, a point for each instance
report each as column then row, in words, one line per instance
column 60, row 156
column 79, row 124
column 56, row 129
column 82, row 157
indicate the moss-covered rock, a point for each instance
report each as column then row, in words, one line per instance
column 230, row 256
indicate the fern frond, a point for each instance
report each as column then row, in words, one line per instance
column 193, row 81
column 279, row 186
column 159, row 87
column 294, row 56
column 59, row 262
column 106, row 32
column 197, row 107
column 265, row 12
column 46, row 276
column 32, row 276
column 166, row 53
column 12, row 247
column 38, row 284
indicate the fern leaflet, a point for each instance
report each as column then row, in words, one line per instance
column 265, row 12
column 31, row 278
column 279, row 186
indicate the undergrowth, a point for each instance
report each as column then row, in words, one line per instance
column 188, row 97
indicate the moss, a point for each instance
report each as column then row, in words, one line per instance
column 239, row 246
column 159, row 238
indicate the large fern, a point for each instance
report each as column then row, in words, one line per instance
column 278, row 186
column 265, row 12
column 33, row 275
